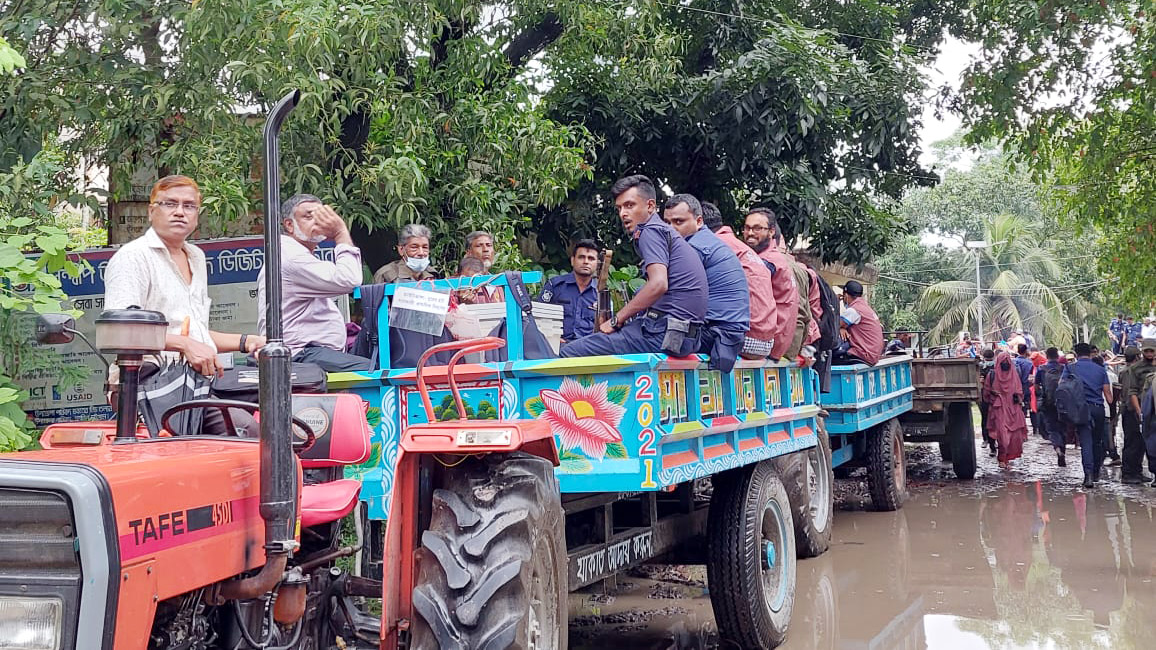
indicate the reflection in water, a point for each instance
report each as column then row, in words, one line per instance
column 1026, row 567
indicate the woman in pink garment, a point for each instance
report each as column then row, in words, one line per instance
column 1005, row 416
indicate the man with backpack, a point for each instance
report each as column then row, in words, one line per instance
column 1087, row 415
column 1047, row 381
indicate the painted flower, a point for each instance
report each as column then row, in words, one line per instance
column 583, row 417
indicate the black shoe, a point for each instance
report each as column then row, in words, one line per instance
column 1088, row 481
column 1062, row 460
column 1096, row 475
column 1132, row 480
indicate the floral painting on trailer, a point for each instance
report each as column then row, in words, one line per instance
column 584, row 416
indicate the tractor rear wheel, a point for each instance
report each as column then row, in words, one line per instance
column 492, row 565
column 751, row 557
column 886, row 466
column 809, row 480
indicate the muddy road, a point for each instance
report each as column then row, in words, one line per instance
column 1016, row 559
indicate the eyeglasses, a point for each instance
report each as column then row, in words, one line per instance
column 755, row 228
column 172, row 206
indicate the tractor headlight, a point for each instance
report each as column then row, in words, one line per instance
column 30, row 623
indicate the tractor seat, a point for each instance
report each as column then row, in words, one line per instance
column 343, row 436
column 324, row 503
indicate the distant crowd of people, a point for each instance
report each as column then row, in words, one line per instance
column 1077, row 399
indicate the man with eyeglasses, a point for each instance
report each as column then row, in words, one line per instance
column 314, row 326
column 760, row 232
column 161, row 271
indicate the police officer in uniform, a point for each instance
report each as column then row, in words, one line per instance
column 576, row 291
column 728, row 314
column 667, row 312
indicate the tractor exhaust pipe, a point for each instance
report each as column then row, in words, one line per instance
column 278, row 465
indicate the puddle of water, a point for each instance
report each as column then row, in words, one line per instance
column 1019, row 559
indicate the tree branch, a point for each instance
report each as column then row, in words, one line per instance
column 452, row 32
column 533, row 40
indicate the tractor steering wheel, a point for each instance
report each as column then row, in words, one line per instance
column 223, row 405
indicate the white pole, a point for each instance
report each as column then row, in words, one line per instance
column 978, row 299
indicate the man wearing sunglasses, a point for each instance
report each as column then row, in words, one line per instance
column 760, row 232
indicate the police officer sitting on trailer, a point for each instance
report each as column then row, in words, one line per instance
column 667, row 312
column 728, row 313
column 576, row 291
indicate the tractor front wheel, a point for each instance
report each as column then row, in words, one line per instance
column 492, row 565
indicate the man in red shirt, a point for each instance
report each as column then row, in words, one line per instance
column 761, row 233
column 860, row 328
column 764, row 317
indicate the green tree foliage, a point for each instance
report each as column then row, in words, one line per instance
column 1072, row 86
column 802, row 106
column 10, row 59
column 981, row 186
column 470, row 115
column 410, row 111
column 1017, row 273
column 29, row 285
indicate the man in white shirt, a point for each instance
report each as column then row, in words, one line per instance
column 314, row 327
column 1148, row 329
column 161, row 271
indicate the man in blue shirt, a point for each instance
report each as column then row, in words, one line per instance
column 576, row 291
column 1116, row 333
column 1133, row 332
column 1097, row 391
column 667, row 312
column 728, row 314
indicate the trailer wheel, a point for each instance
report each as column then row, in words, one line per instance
column 961, row 437
column 492, row 565
column 886, row 466
column 945, row 450
column 751, row 557
column 808, row 478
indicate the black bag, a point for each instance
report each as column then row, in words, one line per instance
column 1071, row 405
column 534, row 343
column 1049, row 382
column 163, row 387
column 366, row 343
column 829, row 321
column 243, row 383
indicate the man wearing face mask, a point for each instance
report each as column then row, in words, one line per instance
column 414, row 265
column 314, row 326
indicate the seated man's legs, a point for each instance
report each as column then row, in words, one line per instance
column 630, row 338
column 244, row 424
column 641, row 334
column 333, row 360
column 843, row 357
column 723, row 342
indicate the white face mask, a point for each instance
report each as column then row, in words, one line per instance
column 300, row 235
column 417, row 264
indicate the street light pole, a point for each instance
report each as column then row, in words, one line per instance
column 976, row 245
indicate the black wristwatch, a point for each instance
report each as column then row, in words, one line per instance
column 242, row 344
column 614, row 321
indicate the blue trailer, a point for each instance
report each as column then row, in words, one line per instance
column 637, row 437
column 865, row 403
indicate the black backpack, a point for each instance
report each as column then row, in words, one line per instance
column 829, row 321
column 1049, row 382
column 1071, row 405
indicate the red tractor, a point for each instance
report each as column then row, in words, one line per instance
column 111, row 539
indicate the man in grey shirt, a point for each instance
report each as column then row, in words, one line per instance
column 314, row 326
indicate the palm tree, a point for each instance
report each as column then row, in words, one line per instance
column 1017, row 275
